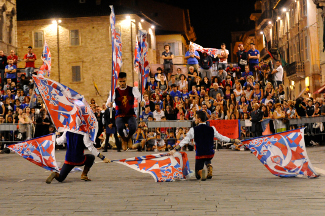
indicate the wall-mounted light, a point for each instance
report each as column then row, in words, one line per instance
column 292, row 83
column 152, row 26
column 307, row 81
column 54, row 22
column 279, row 18
column 261, row 32
column 284, row 9
column 59, row 21
column 142, row 20
column 127, row 17
column 270, row 22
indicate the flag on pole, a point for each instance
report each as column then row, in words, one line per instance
column 46, row 57
column 116, row 51
column 40, row 151
column 143, row 58
column 162, row 167
column 68, row 109
column 210, row 51
column 136, row 56
column 283, row 154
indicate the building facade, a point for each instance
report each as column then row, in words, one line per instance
column 289, row 31
column 81, row 49
column 8, row 26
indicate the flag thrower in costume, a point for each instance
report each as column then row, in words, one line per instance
column 68, row 109
column 40, row 151
column 162, row 167
column 283, row 154
column 116, row 51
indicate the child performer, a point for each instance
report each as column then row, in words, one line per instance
column 203, row 136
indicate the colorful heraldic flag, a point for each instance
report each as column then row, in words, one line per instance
column 162, row 167
column 46, row 57
column 210, row 51
column 136, row 56
column 116, row 51
column 283, row 154
column 40, row 151
column 143, row 58
column 68, row 109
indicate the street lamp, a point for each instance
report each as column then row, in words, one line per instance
column 284, row 9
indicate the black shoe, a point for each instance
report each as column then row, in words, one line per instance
column 105, row 150
column 139, row 149
column 118, row 150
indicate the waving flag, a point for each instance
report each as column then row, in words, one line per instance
column 40, row 151
column 68, row 109
column 283, row 154
column 266, row 127
column 46, row 57
column 143, row 58
column 210, row 51
column 162, row 167
column 116, row 51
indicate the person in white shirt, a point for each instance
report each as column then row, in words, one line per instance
column 158, row 113
column 278, row 73
column 223, row 56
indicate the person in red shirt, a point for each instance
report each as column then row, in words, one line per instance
column 30, row 59
column 12, row 57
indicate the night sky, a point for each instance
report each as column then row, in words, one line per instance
column 213, row 20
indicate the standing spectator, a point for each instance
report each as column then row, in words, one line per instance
column 168, row 56
column 192, row 57
column 30, row 59
column 10, row 70
column 278, row 73
column 278, row 116
column 256, row 117
column 253, row 57
column 3, row 63
column 242, row 57
column 12, row 57
column 223, row 56
column 206, row 64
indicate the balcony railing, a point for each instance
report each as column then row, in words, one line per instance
column 296, row 68
column 265, row 17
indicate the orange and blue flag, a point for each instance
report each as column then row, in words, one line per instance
column 162, row 167
column 143, row 58
column 283, row 154
column 40, row 151
column 46, row 57
column 210, row 51
column 68, row 109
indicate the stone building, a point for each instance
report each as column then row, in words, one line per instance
column 288, row 30
column 8, row 26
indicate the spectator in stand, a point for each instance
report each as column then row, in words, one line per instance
column 171, row 140
column 248, row 92
column 12, row 57
column 206, row 84
column 10, row 70
column 310, row 110
column 278, row 73
column 222, row 75
column 190, row 76
column 242, row 57
column 192, row 57
column 139, row 139
column 223, row 56
column 232, row 110
column 146, row 113
column 9, row 95
column 174, row 92
column 160, row 144
column 238, row 91
column 168, row 56
column 172, row 81
column 253, row 57
column 268, row 98
column 206, row 64
column 182, row 83
column 3, row 63
column 158, row 113
column 151, row 140
column 30, row 59
column 178, row 74
column 205, row 109
column 278, row 116
column 245, row 74
column 194, row 93
column 158, row 74
column 152, row 85
column 162, row 84
column 215, row 90
column 169, row 113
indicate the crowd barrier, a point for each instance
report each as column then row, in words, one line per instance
column 13, row 133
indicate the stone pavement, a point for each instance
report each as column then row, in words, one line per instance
column 241, row 185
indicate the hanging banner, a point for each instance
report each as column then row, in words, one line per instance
column 228, row 128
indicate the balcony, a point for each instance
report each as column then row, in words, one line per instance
column 295, row 70
column 264, row 18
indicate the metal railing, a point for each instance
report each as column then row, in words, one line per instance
column 12, row 133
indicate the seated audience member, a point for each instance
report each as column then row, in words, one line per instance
column 151, row 85
column 139, row 139
column 174, row 92
column 160, row 144
column 151, row 140
column 145, row 113
column 171, row 140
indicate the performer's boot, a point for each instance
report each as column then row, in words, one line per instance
column 210, row 168
column 202, row 174
column 51, row 177
column 84, row 174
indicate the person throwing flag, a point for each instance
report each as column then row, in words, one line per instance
column 124, row 97
column 75, row 155
column 203, row 136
